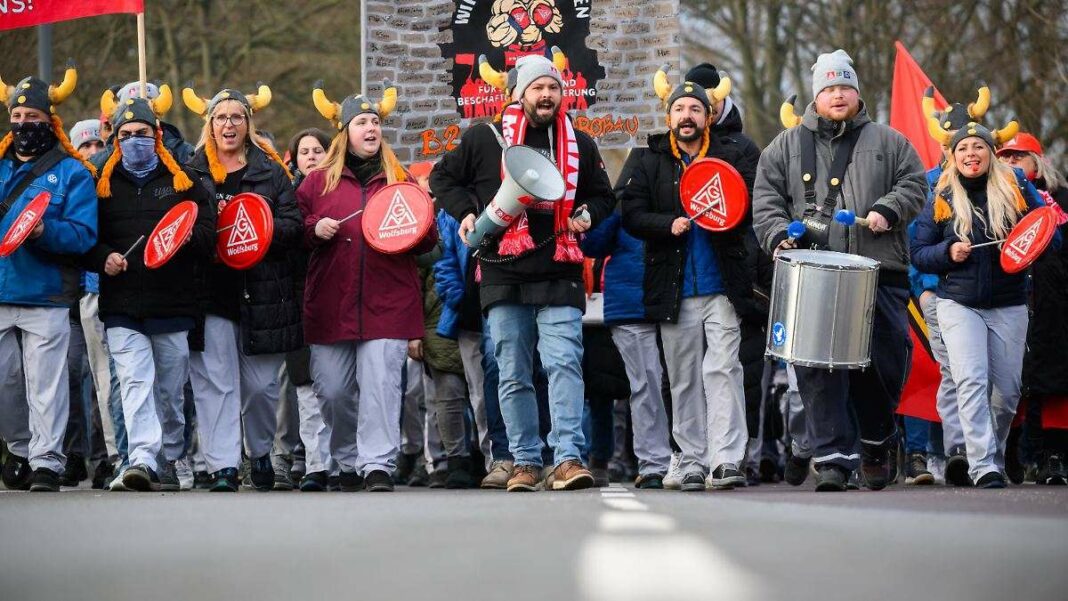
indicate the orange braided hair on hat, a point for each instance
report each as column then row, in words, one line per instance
column 180, row 178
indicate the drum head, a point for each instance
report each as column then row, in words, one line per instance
column 828, row 259
column 245, row 229
column 715, row 187
column 170, row 234
column 397, row 217
column 1028, row 240
column 23, row 225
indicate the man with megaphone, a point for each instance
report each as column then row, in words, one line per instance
column 529, row 260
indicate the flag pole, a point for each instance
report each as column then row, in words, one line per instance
column 141, row 60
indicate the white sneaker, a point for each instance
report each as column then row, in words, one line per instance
column 936, row 464
column 673, row 479
column 116, row 482
column 185, row 473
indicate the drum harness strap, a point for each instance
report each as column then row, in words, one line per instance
column 44, row 163
column 817, row 217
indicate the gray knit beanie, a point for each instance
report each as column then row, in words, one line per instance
column 834, row 69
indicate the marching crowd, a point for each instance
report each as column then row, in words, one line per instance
column 599, row 337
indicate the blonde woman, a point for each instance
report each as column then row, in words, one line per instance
column 252, row 316
column 361, row 307
column 982, row 309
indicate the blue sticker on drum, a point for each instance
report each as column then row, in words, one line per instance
column 778, row 334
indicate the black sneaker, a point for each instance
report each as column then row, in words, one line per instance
column 769, row 471
column 437, row 478
column 314, row 482
column 350, row 481
column 957, row 470
column 693, row 482
column 333, row 484
column 1052, row 471
column 141, row 478
column 650, row 482
column 419, row 478
column 752, row 476
column 225, row 480
column 202, row 480
column 17, row 473
column 261, row 472
column 75, row 471
column 875, row 465
column 831, row 478
column 601, row 474
column 406, row 466
column 796, row 470
column 916, row 472
column 44, row 480
column 459, row 473
column 991, row 480
column 168, row 478
column 892, row 454
column 379, row 481
column 726, row 477
column 103, row 473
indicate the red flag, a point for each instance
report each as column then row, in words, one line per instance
column 26, row 13
column 906, row 114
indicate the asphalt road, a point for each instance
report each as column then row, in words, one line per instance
column 769, row 542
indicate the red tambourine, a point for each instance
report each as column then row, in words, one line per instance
column 713, row 193
column 23, row 225
column 170, row 234
column 1028, row 240
column 397, row 217
column 244, row 231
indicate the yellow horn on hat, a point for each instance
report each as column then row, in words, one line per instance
column 389, row 100
column 927, row 103
column 162, row 103
column 58, row 94
column 490, row 75
column 559, row 59
column 661, row 85
column 5, row 91
column 108, row 103
column 934, row 127
column 721, row 91
column 1006, row 133
column 195, row 103
column 787, row 114
column 260, row 99
column 330, row 110
column 978, row 108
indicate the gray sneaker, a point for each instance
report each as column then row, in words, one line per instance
column 499, row 474
column 116, row 484
column 185, row 473
column 282, row 478
column 168, row 478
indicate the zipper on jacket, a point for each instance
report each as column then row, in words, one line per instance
column 363, row 253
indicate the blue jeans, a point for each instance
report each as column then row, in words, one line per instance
column 557, row 333
column 917, row 435
column 498, row 434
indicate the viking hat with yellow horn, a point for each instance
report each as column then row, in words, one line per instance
column 36, row 94
column 663, row 89
column 252, row 103
column 993, row 138
column 943, row 124
column 339, row 115
column 144, row 111
column 160, row 101
column 788, row 114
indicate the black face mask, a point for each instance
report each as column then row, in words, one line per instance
column 33, row 138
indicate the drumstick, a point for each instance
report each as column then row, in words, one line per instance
column 795, row 230
column 135, row 245
column 991, row 243
column 701, row 212
column 344, row 219
column 847, row 218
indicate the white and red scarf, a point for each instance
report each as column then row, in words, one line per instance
column 517, row 238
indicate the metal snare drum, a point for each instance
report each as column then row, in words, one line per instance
column 821, row 309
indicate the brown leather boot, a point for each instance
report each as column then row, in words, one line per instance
column 571, row 475
column 524, row 479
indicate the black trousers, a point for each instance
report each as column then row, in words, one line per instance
column 845, row 409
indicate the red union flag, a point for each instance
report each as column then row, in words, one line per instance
column 26, row 13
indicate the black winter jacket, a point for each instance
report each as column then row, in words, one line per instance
column 267, row 304
column 1045, row 368
column 651, row 203
column 131, row 212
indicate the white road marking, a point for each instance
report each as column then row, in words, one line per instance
column 635, row 521
column 626, row 504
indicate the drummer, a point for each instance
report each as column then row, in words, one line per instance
column 40, row 282
column 361, row 306
column 148, row 313
column 838, row 158
column 252, row 316
column 697, row 284
column 982, row 310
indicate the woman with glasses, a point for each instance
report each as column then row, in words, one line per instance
column 252, row 316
